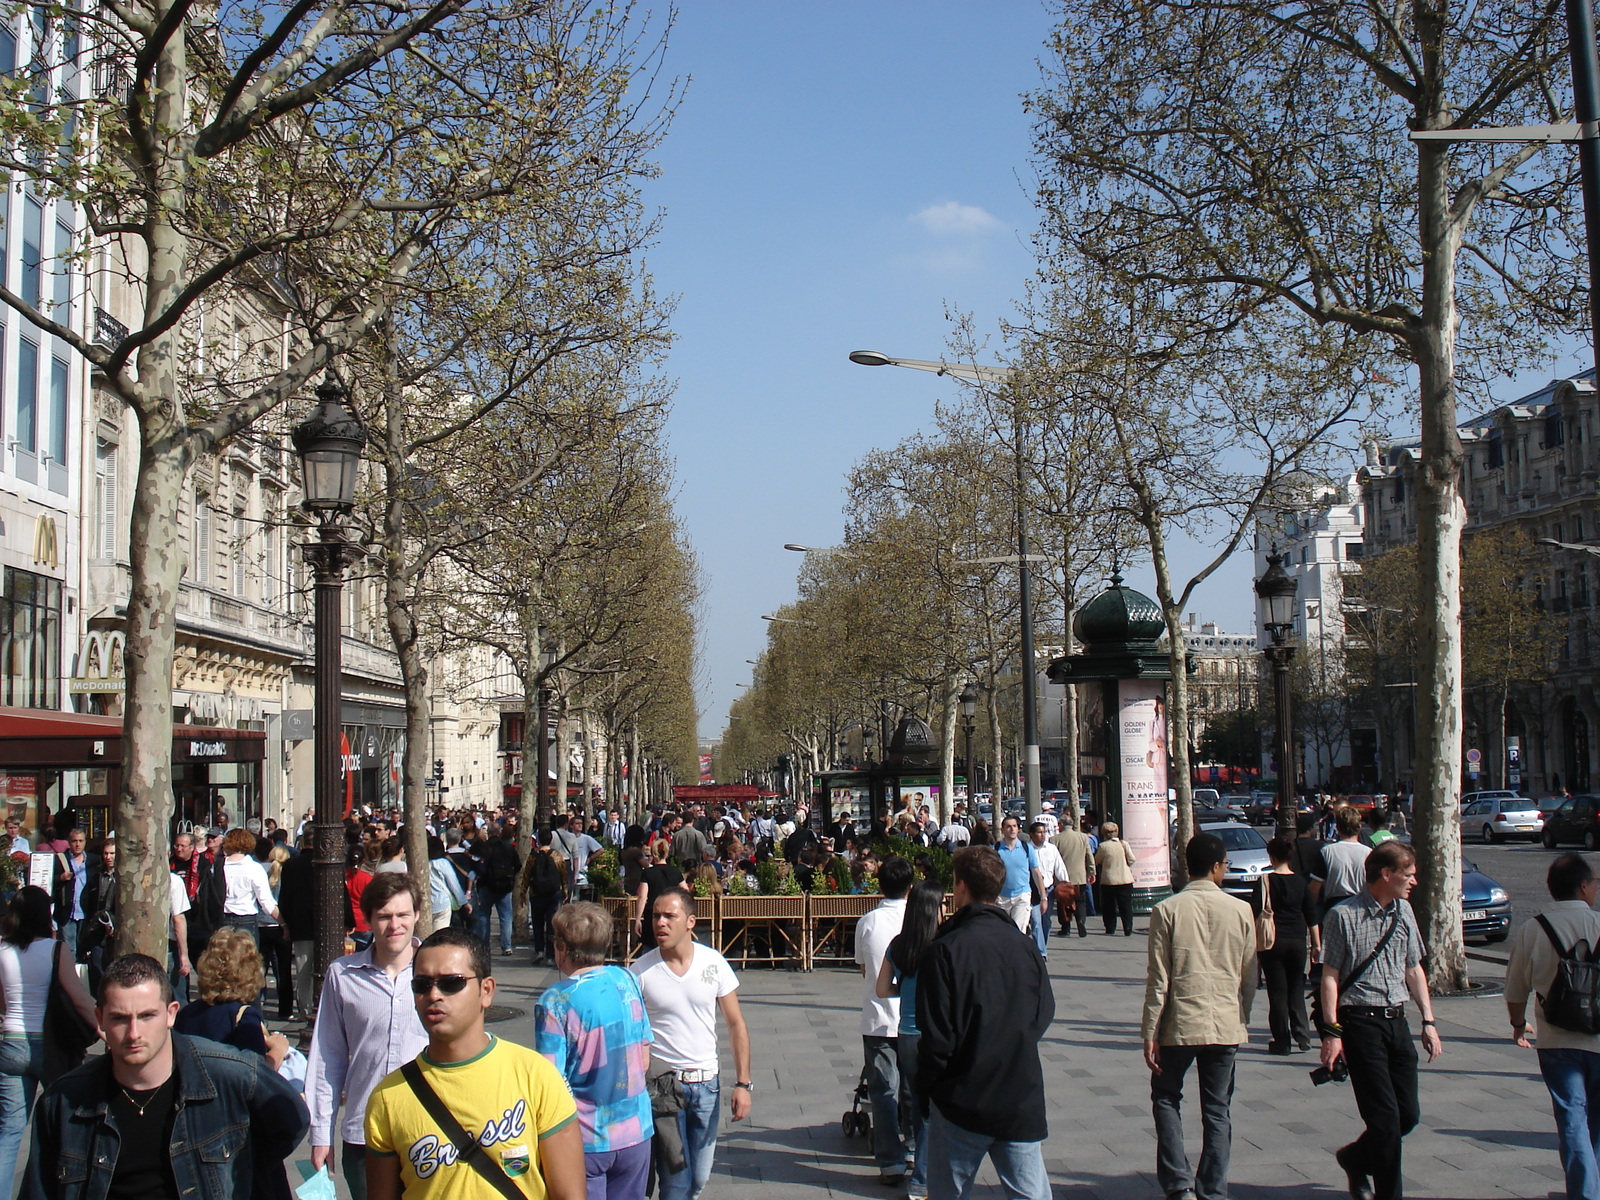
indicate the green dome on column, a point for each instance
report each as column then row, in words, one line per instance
column 1118, row 616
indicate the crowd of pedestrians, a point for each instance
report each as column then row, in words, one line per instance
column 403, row 1089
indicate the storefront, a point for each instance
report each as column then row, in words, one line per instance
column 51, row 761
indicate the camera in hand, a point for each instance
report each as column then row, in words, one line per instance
column 1337, row 1073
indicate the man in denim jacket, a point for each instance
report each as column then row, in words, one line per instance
column 160, row 1114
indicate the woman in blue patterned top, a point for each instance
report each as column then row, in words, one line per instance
column 592, row 1026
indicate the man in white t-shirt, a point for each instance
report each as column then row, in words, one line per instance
column 178, row 940
column 684, row 985
column 893, row 1130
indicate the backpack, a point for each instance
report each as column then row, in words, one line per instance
column 544, row 877
column 499, row 869
column 1573, row 1002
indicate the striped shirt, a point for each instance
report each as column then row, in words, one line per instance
column 1351, row 932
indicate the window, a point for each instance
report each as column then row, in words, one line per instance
column 61, row 274
column 1496, row 452
column 59, row 377
column 27, row 396
column 8, row 50
column 241, row 547
column 105, row 500
column 1354, row 551
column 1553, row 433
column 202, row 541
column 32, row 251
column 1399, row 494
column 30, row 640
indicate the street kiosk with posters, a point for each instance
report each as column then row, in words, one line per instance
column 908, row 777
column 1119, row 631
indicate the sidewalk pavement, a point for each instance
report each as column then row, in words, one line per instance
column 1486, row 1130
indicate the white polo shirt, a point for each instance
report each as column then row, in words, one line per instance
column 880, row 1017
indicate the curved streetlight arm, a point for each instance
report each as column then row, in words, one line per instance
column 971, row 372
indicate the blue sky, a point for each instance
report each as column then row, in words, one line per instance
column 839, row 175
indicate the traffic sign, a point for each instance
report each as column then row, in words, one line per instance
column 1474, row 757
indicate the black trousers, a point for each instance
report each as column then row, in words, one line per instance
column 1117, row 899
column 1285, row 968
column 1382, row 1058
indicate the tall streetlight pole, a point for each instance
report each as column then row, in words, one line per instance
column 1276, row 589
column 329, row 443
column 1030, row 701
column 969, row 712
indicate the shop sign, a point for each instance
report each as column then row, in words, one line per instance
column 208, row 749
column 99, row 663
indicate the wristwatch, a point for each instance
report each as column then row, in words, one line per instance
column 747, row 1087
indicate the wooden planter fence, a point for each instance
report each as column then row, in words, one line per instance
column 769, row 930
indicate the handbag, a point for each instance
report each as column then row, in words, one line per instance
column 467, row 1147
column 1266, row 922
column 67, row 1036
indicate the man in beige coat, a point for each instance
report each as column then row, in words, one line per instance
column 1199, row 986
column 1075, row 853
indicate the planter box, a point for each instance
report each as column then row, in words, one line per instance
column 831, row 924
column 762, row 929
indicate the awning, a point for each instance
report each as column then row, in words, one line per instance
column 31, row 737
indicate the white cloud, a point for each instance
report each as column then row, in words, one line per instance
column 955, row 219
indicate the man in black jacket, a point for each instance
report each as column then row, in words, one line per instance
column 983, row 1003
column 297, row 909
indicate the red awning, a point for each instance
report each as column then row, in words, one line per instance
column 32, row 737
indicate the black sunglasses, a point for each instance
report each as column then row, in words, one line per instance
column 448, row 985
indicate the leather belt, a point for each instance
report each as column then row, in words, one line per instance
column 1390, row 1012
column 696, row 1076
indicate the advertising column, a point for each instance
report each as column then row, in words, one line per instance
column 1142, row 737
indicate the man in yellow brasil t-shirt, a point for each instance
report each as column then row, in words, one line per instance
column 511, row 1099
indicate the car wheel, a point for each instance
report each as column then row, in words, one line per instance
column 1548, row 838
column 1591, row 842
column 1489, row 835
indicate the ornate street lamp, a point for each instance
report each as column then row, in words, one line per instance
column 1276, row 592
column 329, row 443
column 969, row 710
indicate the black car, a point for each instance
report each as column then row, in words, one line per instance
column 1576, row 819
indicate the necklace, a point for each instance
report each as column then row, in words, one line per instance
column 148, row 1100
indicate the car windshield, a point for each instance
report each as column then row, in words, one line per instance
column 1527, row 807
column 1239, row 837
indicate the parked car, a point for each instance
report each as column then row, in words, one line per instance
column 1485, row 905
column 1497, row 819
column 1227, row 815
column 1261, row 807
column 1575, row 819
column 1502, row 794
column 1247, row 855
column 1365, row 805
column 1210, row 797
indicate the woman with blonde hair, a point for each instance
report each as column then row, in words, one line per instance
column 230, row 978
column 274, row 941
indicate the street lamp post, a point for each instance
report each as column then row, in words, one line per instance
column 1276, row 589
column 969, row 711
column 544, row 798
column 974, row 373
column 329, row 444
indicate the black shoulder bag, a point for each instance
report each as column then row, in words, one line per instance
column 466, row 1145
column 1318, row 1017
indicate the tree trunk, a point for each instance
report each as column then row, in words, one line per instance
column 404, row 632
column 144, row 804
column 1069, row 716
column 947, row 750
column 1178, row 690
column 1441, row 516
column 528, row 802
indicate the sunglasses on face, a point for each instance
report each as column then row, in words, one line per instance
column 448, row 985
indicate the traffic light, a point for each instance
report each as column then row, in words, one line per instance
column 438, row 768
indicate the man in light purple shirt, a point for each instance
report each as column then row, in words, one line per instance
column 367, row 1026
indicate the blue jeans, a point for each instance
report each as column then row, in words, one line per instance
column 955, row 1154
column 1041, row 932
column 21, row 1060
column 1214, row 1067
column 617, row 1174
column 478, row 923
column 697, row 1124
column 502, row 906
column 1573, row 1077
column 887, row 1088
column 917, row 1181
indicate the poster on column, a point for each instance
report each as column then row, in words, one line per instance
column 1143, row 728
